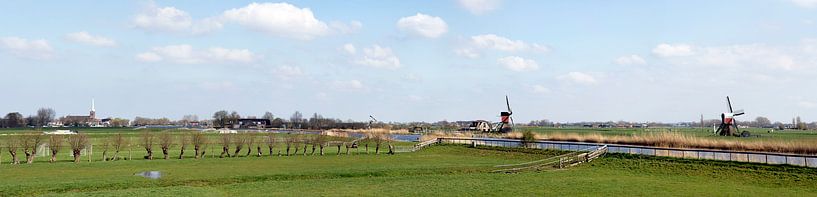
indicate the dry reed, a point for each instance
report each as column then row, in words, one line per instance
column 678, row 140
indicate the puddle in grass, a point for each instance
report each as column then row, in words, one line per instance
column 150, row 174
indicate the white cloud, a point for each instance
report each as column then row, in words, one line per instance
column 346, row 28
column 578, row 77
column 749, row 56
column 279, row 19
column 350, row 48
column 805, row 3
column 378, row 57
column 163, row 19
column 148, row 57
column 806, row 104
column 491, row 41
column 479, row 6
column 287, row 72
column 540, row 89
column 423, row 25
column 467, row 52
column 630, row 60
column 349, row 85
column 518, row 64
column 28, row 49
column 669, row 50
column 186, row 54
column 171, row 19
column 86, row 38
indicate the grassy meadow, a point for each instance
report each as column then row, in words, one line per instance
column 442, row 170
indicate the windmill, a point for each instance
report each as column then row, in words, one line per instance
column 505, row 124
column 372, row 121
column 728, row 122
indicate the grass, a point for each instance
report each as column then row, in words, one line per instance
column 448, row 170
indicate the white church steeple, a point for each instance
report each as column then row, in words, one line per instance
column 92, row 115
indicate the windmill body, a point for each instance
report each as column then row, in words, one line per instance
column 729, row 126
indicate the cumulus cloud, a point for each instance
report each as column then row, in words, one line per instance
column 423, row 25
column 346, row 28
column 374, row 56
column 27, row 49
column 672, row 50
column 805, row 3
column 630, row 60
column 186, row 54
column 578, row 77
column 287, row 72
column 478, row 43
column 86, row 38
column 171, row 19
column 518, row 64
column 279, row 19
column 479, row 6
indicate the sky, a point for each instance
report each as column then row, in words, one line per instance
column 402, row 61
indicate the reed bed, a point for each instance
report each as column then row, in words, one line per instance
column 678, row 140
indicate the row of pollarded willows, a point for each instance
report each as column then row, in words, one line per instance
column 679, row 140
column 232, row 145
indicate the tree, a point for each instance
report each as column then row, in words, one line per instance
column 182, row 145
column 296, row 119
column 321, row 141
column 226, row 140
column 220, row 118
column 270, row 140
column 239, row 140
column 120, row 122
column 268, row 116
column 14, row 120
column 78, row 142
column 30, row 142
column 54, row 144
column 12, row 144
column 147, row 143
column 233, row 118
column 165, row 141
column 118, row 142
column 763, row 122
column 198, row 140
column 44, row 116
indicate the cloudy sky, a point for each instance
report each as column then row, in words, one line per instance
column 413, row 60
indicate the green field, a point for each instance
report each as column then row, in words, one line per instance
column 445, row 170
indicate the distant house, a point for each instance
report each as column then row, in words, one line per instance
column 252, row 123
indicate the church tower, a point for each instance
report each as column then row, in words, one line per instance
column 92, row 115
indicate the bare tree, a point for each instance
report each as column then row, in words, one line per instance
column 249, row 139
column 199, row 140
column 270, row 140
column 239, row 140
column 289, row 140
column 166, row 141
column 378, row 140
column 30, row 142
column 118, row 142
column 320, row 140
column 307, row 140
column 12, row 144
column 54, row 144
column 226, row 140
column 44, row 116
column 77, row 142
column 183, row 141
column 147, row 143
column 105, row 144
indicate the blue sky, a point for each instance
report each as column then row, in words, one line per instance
column 413, row 60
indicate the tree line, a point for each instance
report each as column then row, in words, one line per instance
column 230, row 144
